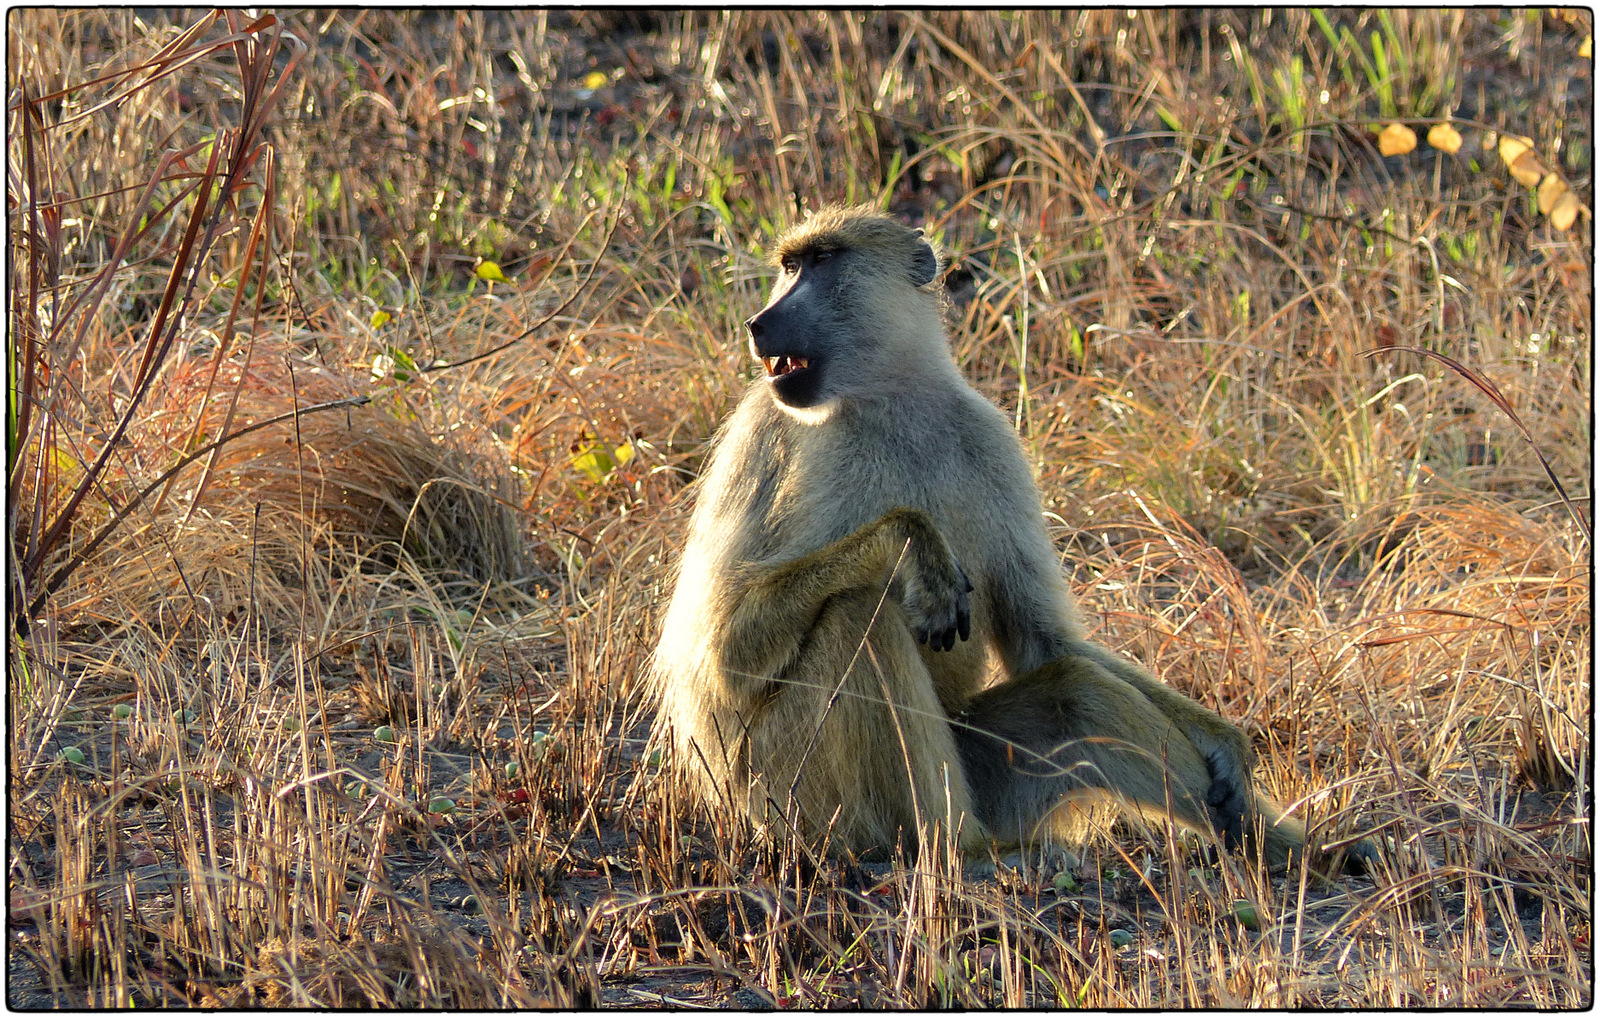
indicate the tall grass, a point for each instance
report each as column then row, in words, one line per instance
column 335, row 564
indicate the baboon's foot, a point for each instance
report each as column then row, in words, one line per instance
column 1357, row 860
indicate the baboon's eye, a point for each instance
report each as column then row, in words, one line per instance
column 789, row 265
column 822, row 256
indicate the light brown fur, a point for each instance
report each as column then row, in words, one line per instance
column 844, row 508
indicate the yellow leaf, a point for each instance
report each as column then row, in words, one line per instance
column 1512, row 146
column 594, row 79
column 594, row 462
column 1552, row 188
column 1528, row 169
column 1515, row 151
column 1565, row 211
column 623, row 453
column 1586, row 47
column 1444, row 138
column 1397, row 140
column 379, row 317
column 489, row 271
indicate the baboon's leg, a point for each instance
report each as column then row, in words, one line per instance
column 1069, row 733
column 881, row 756
column 1239, row 813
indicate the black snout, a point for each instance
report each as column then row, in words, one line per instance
column 784, row 344
column 777, row 330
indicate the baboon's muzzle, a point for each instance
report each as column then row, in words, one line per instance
column 785, row 348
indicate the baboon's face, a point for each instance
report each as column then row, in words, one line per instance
column 791, row 335
column 845, row 308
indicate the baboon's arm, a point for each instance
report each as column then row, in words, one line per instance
column 776, row 605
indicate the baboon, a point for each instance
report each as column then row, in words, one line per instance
column 863, row 515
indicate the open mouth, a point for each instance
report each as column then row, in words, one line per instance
column 783, row 364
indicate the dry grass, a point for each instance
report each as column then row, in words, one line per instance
column 1174, row 247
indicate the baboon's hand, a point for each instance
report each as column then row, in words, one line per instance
column 1228, row 801
column 1230, row 758
column 939, row 623
column 934, row 591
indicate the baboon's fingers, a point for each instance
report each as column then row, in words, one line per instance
column 940, row 627
column 1229, row 803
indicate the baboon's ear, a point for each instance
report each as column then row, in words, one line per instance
column 924, row 264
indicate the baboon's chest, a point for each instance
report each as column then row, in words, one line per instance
column 834, row 484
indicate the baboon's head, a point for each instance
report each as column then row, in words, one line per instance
column 848, row 308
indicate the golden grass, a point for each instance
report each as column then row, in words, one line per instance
column 1170, row 263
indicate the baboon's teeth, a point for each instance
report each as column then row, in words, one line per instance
column 782, row 364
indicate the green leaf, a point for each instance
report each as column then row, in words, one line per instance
column 1245, row 912
column 404, row 366
column 714, row 189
